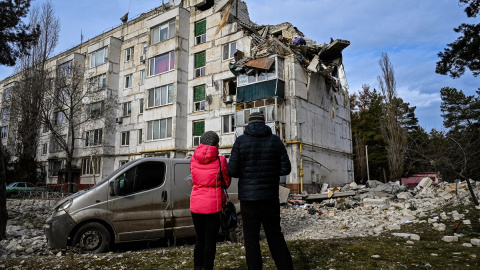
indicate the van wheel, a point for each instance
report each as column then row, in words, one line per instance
column 92, row 237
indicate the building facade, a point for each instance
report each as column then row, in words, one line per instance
column 158, row 81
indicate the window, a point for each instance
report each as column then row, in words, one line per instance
column 163, row 32
column 128, row 81
column 60, row 118
column 93, row 137
column 200, row 59
column 125, row 138
column 91, row 166
column 122, row 162
column 44, row 148
column 144, row 48
column 5, row 113
column 144, row 176
column 162, row 63
column 200, row 32
column 4, row 132
column 65, row 69
column 56, row 143
column 198, row 130
column 228, row 123
column 199, row 98
column 45, row 128
column 98, row 83
column 274, row 72
column 159, row 129
column 160, row 96
column 54, row 166
column 7, row 94
column 229, row 50
column 99, row 57
column 129, row 54
column 140, row 106
column 127, row 108
column 96, row 109
column 140, row 136
column 142, row 77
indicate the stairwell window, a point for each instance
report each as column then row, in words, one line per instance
column 228, row 123
column 128, row 81
column 200, row 32
column 200, row 60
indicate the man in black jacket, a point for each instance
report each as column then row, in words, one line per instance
column 258, row 159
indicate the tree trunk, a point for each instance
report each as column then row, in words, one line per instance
column 3, row 199
column 474, row 198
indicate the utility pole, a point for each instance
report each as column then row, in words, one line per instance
column 366, row 156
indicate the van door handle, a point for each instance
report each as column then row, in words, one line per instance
column 164, row 196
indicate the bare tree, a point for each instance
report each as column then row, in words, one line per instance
column 3, row 199
column 69, row 106
column 29, row 91
column 393, row 130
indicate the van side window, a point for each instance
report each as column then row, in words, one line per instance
column 142, row 177
column 149, row 175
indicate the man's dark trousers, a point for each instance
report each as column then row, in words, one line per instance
column 266, row 212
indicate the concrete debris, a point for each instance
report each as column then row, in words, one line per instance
column 410, row 236
column 450, row 239
column 475, row 242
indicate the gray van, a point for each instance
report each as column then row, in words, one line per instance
column 145, row 199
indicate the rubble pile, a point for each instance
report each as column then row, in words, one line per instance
column 376, row 208
column 370, row 210
column 25, row 235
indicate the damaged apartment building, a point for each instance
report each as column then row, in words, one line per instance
column 187, row 67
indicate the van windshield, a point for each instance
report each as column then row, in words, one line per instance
column 115, row 172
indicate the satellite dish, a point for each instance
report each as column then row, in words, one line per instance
column 175, row 2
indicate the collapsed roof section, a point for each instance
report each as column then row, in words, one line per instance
column 285, row 39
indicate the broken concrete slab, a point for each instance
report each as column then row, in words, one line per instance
column 411, row 236
column 450, row 239
column 475, row 242
column 283, row 194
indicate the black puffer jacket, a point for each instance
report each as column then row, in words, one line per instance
column 258, row 159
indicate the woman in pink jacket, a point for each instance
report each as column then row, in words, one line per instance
column 207, row 198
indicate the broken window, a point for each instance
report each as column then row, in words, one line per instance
column 229, row 50
column 91, row 166
column 129, row 54
column 162, row 32
column 162, row 63
column 200, row 32
column 199, row 98
column 93, row 137
column 198, row 130
column 96, row 109
column 200, row 60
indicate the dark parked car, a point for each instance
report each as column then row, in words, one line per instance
column 16, row 187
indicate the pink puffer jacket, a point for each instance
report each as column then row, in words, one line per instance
column 207, row 194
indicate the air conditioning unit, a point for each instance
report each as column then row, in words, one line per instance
column 118, row 120
column 142, row 58
column 228, row 99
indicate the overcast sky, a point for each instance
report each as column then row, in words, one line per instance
column 411, row 32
